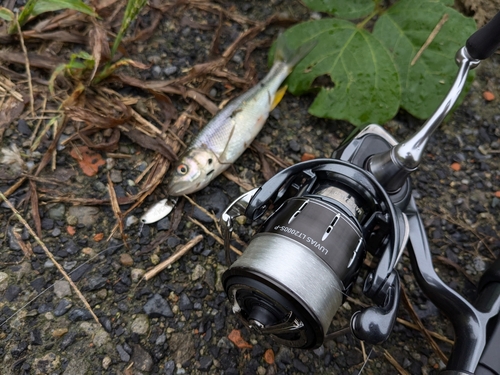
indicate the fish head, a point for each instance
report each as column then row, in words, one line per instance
column 192, row 172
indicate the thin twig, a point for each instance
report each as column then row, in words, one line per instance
column 395, row 363
column 177, row 255
column 27, row 63
column 416, row 319
column 214, row 236
column 242, row 183
column 50, row 256
column 405, row 322
column 430, row 38
column 432, row 333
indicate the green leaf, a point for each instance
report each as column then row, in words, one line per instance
column 349, row 9
column 365, row 80
column 42, row 6
column 404, row 29
column 6, row 14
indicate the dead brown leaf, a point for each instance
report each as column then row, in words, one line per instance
column 100, row 45
column 36, row 60
column 11, row 109
column 151, row 143
column 236, row 339
column 88, row 160
column 57, row 36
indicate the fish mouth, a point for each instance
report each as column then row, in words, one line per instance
column 177, row 188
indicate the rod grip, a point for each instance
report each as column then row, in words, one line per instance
column 486, row 40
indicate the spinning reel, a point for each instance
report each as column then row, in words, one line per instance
column 298, row 269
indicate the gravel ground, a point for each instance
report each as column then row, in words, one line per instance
column 179, row 322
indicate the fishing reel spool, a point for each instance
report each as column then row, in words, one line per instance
column 297, row 270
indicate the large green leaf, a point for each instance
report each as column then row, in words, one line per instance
column 42, row 6
column 403, row 29
column 349, row 9
column 365, row 80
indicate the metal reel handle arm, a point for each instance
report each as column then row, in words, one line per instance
column 469, row 323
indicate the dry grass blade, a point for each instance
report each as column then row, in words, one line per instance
column 50, row 256
column 416, row 319
column 417, row 328
column 462, row 224
column 177, row 255
column 25, row 246
column 395, row 363
column 116, row 210
column 451, row 263
column 100, row 46
column 7, row 86
column 27, row 64
column 34, row 208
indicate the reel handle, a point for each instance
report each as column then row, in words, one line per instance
column 484, row 42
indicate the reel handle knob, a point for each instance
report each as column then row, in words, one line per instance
column 484, row 42
column 374, row 324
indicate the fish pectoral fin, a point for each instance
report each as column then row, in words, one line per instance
column 279, row 95
column 223, row 157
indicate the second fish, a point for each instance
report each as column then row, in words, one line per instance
column 233, row 129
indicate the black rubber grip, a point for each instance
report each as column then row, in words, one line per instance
column 486, row 40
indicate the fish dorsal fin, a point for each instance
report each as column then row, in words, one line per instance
column 279, row 95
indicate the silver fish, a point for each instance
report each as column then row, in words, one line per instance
column 233, row 129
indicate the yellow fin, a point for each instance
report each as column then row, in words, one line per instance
column 279, row 95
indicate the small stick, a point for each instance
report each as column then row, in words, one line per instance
column 215, row 220
column 214, row 236
column 395, row 363
column 430, row 38
column 177, row 255
column 242, row 183
column 50, row 256
column 365, row 359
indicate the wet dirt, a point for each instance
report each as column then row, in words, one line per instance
column 179, row 321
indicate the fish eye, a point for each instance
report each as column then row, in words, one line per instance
column 182, row 169
column 210, row 161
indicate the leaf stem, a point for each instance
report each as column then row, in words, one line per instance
column 362, row 24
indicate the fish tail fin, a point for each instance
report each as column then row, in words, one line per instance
column 290, row 56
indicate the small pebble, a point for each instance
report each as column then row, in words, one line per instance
column 169, row 70
column 126, row 260
column 488, row 96
column 106, row 361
